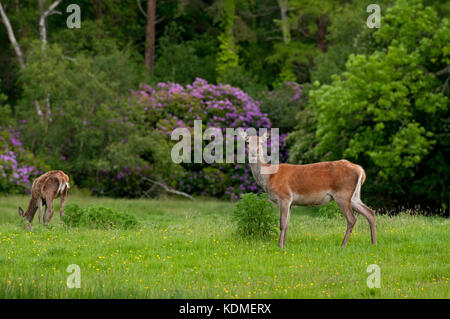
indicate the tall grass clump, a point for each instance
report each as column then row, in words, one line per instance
column 255, row 216
column 98, row 217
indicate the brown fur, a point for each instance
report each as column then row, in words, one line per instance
column 44, row 190
column 337, row 176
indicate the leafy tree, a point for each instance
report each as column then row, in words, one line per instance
column 227, row 57
column 389, row 110
column 347, row 34
column 182, row 62
column 89, row 130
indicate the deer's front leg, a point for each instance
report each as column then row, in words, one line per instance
column 285, row 210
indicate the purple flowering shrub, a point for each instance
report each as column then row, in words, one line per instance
column 171, row 105
column 18, row 167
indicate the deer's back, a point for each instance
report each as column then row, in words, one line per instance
column 49, row 182
column 314, row 178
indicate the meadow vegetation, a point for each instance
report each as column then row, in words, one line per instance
column 189, row 249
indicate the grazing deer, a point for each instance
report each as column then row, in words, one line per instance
column 44, row 190
column 310, row 185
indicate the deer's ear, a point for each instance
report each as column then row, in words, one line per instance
column 21, row 212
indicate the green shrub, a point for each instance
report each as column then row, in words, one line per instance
column 331, row 210
column 99, row 217
column 255, row 216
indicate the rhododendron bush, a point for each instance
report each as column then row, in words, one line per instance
column 18, row 167
column 170, row 105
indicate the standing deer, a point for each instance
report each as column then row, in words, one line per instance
column 44, row 190
column 310, row 185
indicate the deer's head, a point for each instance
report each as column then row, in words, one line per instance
column 255, row 145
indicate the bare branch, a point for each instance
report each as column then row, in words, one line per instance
column 48, row 109
column 159, row 20
column 262, row 13
column 38, row 109
column 69, row 58
column 43, row 35
column 54, row 12
column 140, row 8
column 285, row 28
column 169, row 190
column 51, row 9
column 44, row 15
column 444, row 70
column 12, row 37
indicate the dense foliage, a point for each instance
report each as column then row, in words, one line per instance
column 101, row 101
column 389, row 110
column 171, row 105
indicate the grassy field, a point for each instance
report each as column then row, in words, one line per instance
column 187, row 249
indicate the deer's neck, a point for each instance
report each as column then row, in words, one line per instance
column 261, row 179
column 32, row 207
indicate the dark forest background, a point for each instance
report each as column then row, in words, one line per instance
column 98, row 101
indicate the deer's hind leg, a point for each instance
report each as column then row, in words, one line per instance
column 48, row 211
column 63, row 203
column 361, row 208
column 346, row 208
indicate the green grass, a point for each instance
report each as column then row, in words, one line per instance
column 186, row 249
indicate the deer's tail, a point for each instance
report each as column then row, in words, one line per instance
column 361, row 178
column 63, row 186
column 356, row 198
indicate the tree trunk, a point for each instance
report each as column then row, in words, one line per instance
column 321, row 33
column 150, row 36
column 12, row 37
column 98, row 10
column 43, row 17
column 285, row 29
column 44, row 115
